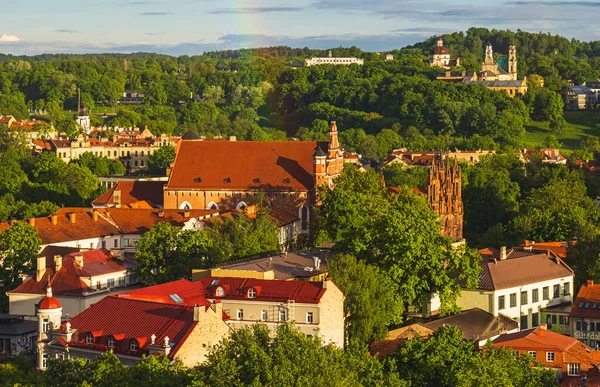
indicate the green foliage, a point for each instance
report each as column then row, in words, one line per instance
column 100, row 166
column 160, row 160
column 367, row 320
column 397, row 175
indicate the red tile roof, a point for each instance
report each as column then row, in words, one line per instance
column 127, row 319
column 68, row 280
column 267, row 290
column 587, row 303
column 133, row 192
column 182, row 292
column 520, row 267
column 231, row 165
column 140, row 220
column 558, row 248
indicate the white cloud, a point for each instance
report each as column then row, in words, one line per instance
column 9, row 38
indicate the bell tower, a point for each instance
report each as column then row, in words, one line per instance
column 512, row 62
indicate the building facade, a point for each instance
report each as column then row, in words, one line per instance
column 444, row 194
column 585, row 315
column 440, row 57
column 330, row 60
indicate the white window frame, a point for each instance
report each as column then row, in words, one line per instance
column 283, row 315
column 573, row 369
column 45, row 324
column 240, row 314
column 89, row 339
column 111, row 342
column 550, row 357
column 133, row 345
column 264, row 315
column 251, row 293
column 110, row 283
column 309, row 317
column 220, row 292
column 532, row 353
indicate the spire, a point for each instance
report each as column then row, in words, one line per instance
column 49, row 289
column 334, row 145
column 440, row 41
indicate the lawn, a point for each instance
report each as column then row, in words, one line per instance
column 580, row 125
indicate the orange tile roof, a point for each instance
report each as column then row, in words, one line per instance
column 235, row 165
column 68, row 280
column 140, row 220
column 558, row 248
column 181, row 292
column 587, row 303
column 134, row 193
column 520, row 267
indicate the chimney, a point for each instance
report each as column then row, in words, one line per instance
column 41, row 268
column 72, row 217
column 590, row 282
column 95, row 215
column 117, row 197
column 32, row 222
column 79, row 260
column 541, row 330
column 327, row 279
column 317, row 262
column 503, row 253
column 57, row 262
column 54, row 219
column 217, row 307
column 196, row 312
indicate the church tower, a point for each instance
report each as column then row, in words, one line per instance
column 488, row 64
column 335, row 157
column 444, row 195
column 512, row 62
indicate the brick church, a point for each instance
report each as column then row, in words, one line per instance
column 229, row 175
column 444, row 195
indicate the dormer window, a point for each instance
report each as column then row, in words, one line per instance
column 257, row 180
column 133, row 345
column 111, row 342
column 89, row 339
column 198, row 180
column 227, row 180
column 220, row 292
column 251, row 293
column 286, row 181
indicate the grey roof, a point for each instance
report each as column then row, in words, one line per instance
column 319, row 152
column 285, row 266
column 517, row 83
column 14, row 325
column 476, row 323
column 581, row 90
column 191, row 135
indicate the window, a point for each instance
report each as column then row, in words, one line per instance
column 309, row 317
column 44, row 360
column 513, row 300
column 523, row 322
column 592, row 327
column 561, row 320
column 111, row 342
column 553, row 319
column 566, row 289
column 264, row 316
column 524, row 298
column 578, row 326
column 251, row 293
column 283, row 315
column 103, row 244
column 98, row 285
column 573, row 369
column 220, row 292
column 110, row 282
column 535, row 297
column 550, row 357
column 545, row 293
column 240, row 314
column 304, row 217
column 116, row 243
column 556, row 291
column 532, row 353
column 133, row 345
column 501, row 302
column 45, row 324
column 122, row 281
column 89, row 338
column 535, row 319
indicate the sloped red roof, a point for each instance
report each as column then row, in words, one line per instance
column 558, row 248
column 127, row 319
column 181, row 292
column 587, row 303
column 67, row 281
column 85, row 227
column 520, row 267
column 231, row 165
column 140, row 220
column 133, row 192
column 267, row 290
column 49, row 303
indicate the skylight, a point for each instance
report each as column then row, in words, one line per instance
column 587, row 304
column 595, row 305
column 214, row 282
column 581, row 304
column 175, row 297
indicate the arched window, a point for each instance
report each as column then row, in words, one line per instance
column 220, row 292
column 304, row 217
column 212, row 206
column 89, row 338
column 111, row 342
column 185, row 206
column 133, row 345
column 241, row 206
column 251, row 293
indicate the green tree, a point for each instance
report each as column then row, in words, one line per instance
column 160, row 160
column 156, row 251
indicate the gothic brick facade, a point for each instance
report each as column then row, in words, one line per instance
column 444, row 195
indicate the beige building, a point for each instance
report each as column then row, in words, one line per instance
column 440, row 56
column 330, row 60
column 316, row 308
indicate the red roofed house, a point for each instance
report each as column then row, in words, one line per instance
column 519, row 283
column 227, row 175
column 172, row 319
column 317, row 308
column 132, row 194
column 567, row 356
column 78, row 280
column 585, row 315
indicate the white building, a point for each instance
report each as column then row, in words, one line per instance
column 314, row 61
column 518, row 283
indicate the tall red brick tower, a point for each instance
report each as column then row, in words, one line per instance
column 320, row 166
column 335, row 157
column 444, row 195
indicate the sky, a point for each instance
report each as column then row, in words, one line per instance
column 189, row 27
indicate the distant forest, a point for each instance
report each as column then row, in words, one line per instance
column 256, row 94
